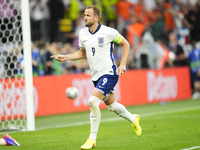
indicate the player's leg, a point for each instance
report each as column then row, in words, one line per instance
column 120, row 110
column 103, row 86
column 196, row 93
column 95, row 116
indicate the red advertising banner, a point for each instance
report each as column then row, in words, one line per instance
column 134, row 87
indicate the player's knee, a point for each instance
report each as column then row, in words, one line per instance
column 93, row 101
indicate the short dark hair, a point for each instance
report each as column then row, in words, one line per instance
column 96, row 10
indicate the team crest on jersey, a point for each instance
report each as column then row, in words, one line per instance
column 100, row 41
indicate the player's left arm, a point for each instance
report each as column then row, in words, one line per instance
column 125, row 51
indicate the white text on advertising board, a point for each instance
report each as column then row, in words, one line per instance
column 161, row 87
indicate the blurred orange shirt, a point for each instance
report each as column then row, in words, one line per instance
column 124, row 9
column 169, row 21
column 135, row 29
column 141, row 14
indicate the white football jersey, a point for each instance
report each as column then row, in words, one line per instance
column 99, row 50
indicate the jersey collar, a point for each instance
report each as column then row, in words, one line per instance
column 99, row 26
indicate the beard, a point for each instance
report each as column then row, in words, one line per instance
column 89, row 24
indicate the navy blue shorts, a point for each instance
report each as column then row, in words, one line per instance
column 106, row 84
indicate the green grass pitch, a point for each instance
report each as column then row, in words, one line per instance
column 172, row 126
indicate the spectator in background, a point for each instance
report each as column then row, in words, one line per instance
column 178, row 16
column 79, row 25
column 158, row 24
column 162, row 54
column 134, row 34
column 194, row 58
column 39, row 15
column 55, row 48
column 125, row 10
column 168, row 16
column 134, row 31
column 180, row 59
column 72, row 13
column 36, row 61
column 192, row 18
column 150, row 5
column 3, row 67
column 164, row 22
column 10, row 61
column 71, row 66
column 47, row 62
column 160, row 16
column 142, row 14
column 197, row 10
column 109, row 7
column 21, row 63
column 17, row 64
column 183, row 38
column 145, row 55
column 66, row 49
column 72, row 37
column 56, row 8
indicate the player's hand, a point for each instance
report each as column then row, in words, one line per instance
column 121, row 70
column 60, row 58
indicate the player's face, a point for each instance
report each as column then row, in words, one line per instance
column 89, row 18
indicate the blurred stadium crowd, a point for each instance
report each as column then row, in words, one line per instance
column 161, row 33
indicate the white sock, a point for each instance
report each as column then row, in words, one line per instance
column 95, row 116
column 2, row 142
column 120, row 110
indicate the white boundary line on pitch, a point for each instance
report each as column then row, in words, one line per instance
column 195, row 147
column 119, row 118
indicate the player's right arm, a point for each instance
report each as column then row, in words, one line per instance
column 75, row 56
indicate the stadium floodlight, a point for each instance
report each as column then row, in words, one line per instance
column 16, row 81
